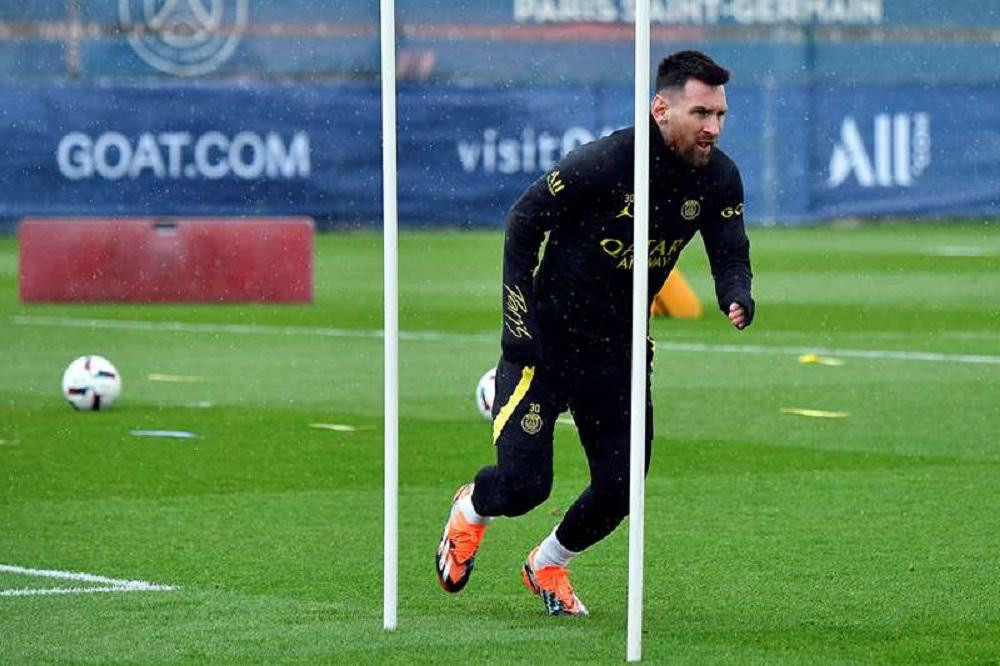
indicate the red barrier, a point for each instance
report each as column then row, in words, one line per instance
column 166, row 260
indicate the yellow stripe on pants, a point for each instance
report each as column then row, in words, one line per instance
column 527, row 374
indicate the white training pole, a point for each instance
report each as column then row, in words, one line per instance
column 390, row 285
column 640, row 318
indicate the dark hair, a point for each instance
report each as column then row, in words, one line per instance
column 675, row 70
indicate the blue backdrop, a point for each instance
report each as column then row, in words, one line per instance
column 807, row 152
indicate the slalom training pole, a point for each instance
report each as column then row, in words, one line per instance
column 390, row 286
column 640, row 317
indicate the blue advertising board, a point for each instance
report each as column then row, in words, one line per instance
column 465, row 152
column 189, row 148
column 906, row 150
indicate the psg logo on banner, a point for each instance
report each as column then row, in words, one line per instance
column 184, row 37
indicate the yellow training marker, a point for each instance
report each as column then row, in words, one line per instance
column 156, row 377
column 340, row 427
column 814, row 413
column 816, row 359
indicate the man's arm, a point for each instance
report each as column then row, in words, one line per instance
column 547, row 201
column 729, row 254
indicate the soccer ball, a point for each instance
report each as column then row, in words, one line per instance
column 485, row 391
column 91, row 383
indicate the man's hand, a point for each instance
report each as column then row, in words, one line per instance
column 738, row 315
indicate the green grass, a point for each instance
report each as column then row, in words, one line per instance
column 770, row 538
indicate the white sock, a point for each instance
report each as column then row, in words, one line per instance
column 469, row 511
column 552, row 553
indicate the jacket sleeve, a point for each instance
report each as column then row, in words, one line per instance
column 543, row 205
column 728, row 248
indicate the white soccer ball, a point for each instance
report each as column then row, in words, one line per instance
column 486, row 389
column 91, row 383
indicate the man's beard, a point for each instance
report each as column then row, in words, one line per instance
column 691, row 155
column 696, row 158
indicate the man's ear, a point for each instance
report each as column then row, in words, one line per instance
column 658, row 107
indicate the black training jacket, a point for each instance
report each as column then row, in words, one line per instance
column 580, row 296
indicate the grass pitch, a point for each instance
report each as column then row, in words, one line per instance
column 771, row 537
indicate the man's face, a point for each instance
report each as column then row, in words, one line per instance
column 691, row 119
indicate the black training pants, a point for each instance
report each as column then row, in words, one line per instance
column 528, row 401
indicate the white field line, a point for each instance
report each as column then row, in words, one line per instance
column 435, row 336
column 992, row 336
column 961, row 251
column 242, row 329
column 28, row 592
column 880, row 354
column 110, row 584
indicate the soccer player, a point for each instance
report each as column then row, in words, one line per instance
column 566, row 339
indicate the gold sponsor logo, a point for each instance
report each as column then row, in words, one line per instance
column 690, row 209
column 554, row 182
column 532, row 421
column 627, row 210
column 729, row 211
column 515, row 309
column 660, row 252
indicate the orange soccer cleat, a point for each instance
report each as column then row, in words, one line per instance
column 456, row 553
column 552, row 584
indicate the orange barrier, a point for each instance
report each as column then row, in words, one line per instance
column 676, row 299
